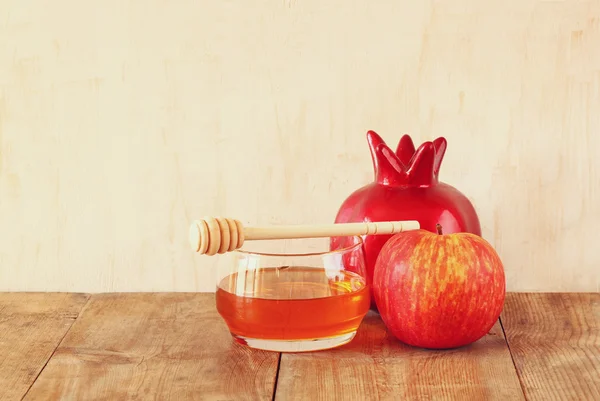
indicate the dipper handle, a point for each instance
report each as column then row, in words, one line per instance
column 212, row 235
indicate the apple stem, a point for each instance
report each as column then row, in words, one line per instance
column 439, row 228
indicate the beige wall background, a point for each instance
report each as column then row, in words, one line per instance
column 121, row 121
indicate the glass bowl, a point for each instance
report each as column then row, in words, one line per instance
column 277, row 300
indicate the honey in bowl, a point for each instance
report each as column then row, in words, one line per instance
column 294, row 302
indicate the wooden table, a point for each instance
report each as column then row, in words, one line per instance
column 176, row 347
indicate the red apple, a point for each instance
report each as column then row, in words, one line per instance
column 436, row 290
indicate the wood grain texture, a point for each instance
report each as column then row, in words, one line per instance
column 154, row 346
column 375, row 366
column 121, row 121
column 555, row 343
column 31, row 327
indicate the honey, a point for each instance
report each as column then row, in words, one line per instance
column 292, row 303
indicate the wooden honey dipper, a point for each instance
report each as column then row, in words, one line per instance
column 212, row 235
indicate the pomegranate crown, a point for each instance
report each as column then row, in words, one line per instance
column 407, row 166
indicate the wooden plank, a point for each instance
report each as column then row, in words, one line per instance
column 375, row 366
column 154, row 346
column 31, row 327
column 555, row 343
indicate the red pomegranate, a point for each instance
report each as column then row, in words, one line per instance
column 406, row 187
